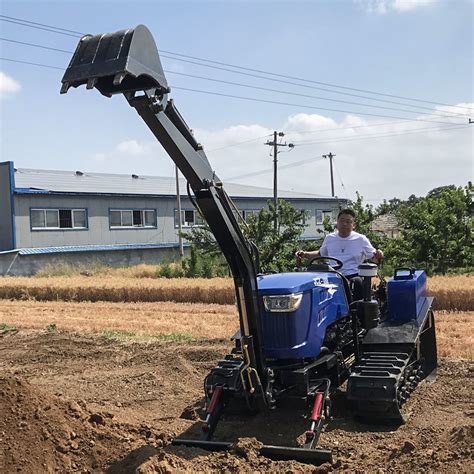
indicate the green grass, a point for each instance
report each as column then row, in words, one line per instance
column 4, row 328
column 52, row 328
column 118, row 335
column 124, row 336
column 175, row 337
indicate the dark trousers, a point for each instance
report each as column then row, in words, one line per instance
column 357, row 286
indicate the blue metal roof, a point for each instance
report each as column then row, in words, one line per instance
column 91, row 248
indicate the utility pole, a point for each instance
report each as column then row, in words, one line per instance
column 275, row 145
column 178, row 197
column 331, row 156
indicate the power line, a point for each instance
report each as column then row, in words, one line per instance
column 313, row 160
column 302, row 85
column 340, row 179
column 253, row 99
column 37, row 45
column 238, row 143
column 31, row 63
column 388, row 135
column 311, row 142
column 75, row 33
column 305, row 106
column 315, row 82
column 268, row 170
column 250, row 86
column 41, row 24
column 51, row 30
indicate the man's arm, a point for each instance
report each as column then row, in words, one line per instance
column 309, row 254
column 373, row 254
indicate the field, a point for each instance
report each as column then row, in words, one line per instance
column 102, row 386
column 452, row 293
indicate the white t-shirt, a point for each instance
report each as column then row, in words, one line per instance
column 351, row 250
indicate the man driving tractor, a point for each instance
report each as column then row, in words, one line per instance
column 348, row 246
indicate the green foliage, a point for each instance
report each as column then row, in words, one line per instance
column 204, row 264
column 118, row 335
column 276, row 247
column 51, row 328
column 170, row 270
column 388, row 207
column 437, row 230
column 176, row 337
column 6, row 328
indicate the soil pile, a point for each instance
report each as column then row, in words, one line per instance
column 70, row 403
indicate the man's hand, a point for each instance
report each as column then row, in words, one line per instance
column 378, row 256
column 300, row 254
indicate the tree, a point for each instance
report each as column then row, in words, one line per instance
column 365, row 215
column 437, row 229
column 276, row 248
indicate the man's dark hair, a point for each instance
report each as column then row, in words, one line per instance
column 349, row 212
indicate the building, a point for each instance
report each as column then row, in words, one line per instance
column 386, row 225
column 76, row 217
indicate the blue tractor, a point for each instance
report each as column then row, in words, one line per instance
column 301, row 334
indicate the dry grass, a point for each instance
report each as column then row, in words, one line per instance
column 455, row 334
column 202, row 321
column 452, row 293
column 119, row 289
column 455, row 330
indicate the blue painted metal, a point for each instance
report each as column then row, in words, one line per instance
column 11, row 169
column 406, row 296
column 95, row 248
column 300, row 333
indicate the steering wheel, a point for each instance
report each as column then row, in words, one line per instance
column 338, row 265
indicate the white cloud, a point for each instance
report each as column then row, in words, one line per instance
column 134, row 156
column 133, row 148
column 386, row 6
column 381, row 159
column 8, row 86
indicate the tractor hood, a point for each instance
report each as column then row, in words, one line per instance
column 296, row 282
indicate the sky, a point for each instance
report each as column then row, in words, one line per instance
column 384, row 85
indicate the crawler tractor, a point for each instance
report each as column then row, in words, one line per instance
column 301, row 334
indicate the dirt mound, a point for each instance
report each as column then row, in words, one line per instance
column 70, row 403
column 44, row 433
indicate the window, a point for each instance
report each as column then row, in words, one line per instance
column 189, row 218
column 322, row 215
column 302, row 219
column 246, row 213
column 132, row 218
column 42, row 219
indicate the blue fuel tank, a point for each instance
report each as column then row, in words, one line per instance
column 406, row 294
column 319, row 300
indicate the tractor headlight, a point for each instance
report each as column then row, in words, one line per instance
column 282, row 303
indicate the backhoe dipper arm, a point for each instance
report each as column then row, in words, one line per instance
column 127, row 62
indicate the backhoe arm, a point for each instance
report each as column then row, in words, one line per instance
column 127, row 62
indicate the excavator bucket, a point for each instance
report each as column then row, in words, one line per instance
column 115, row 63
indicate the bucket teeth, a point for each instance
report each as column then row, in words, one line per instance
column 64, row 88
column 91, row 83
column 119, row 78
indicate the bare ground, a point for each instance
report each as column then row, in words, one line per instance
column 82, row 403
